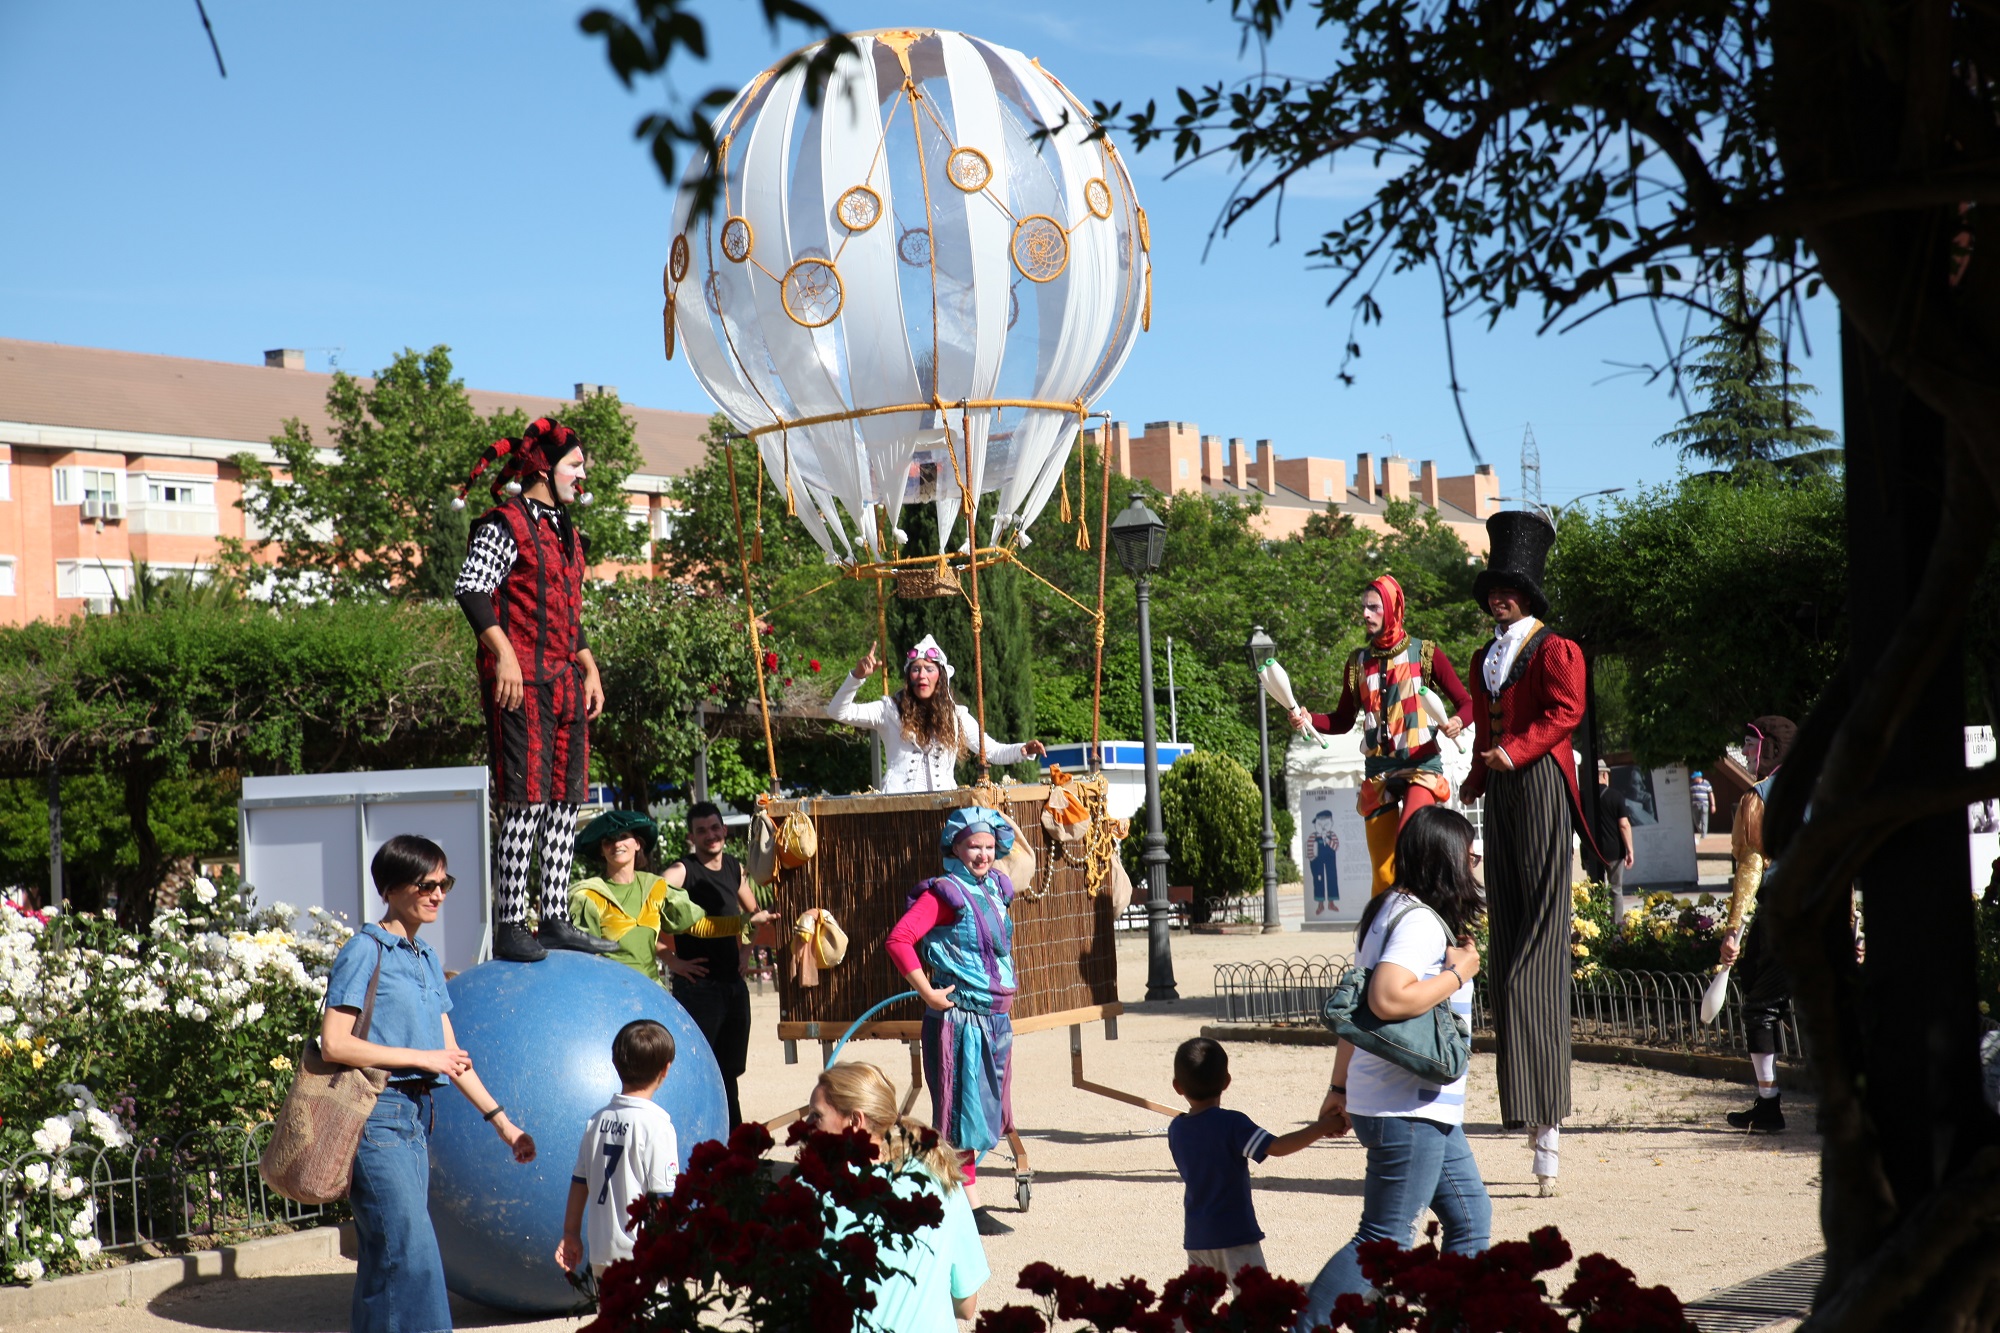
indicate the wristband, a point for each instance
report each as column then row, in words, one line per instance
column 1454, row 972
column 497, row 1109
column 1340, row 1088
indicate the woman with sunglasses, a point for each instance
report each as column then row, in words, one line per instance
column 399, row 1277
column 924, row 728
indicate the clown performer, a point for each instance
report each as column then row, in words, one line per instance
column 1384, row 684
column 1528, row 687
column 924, row 729
column 522, row 589
column 957, row 926
column 638, row 911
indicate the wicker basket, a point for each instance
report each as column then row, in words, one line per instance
column 917, row 581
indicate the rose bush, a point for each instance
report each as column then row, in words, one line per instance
column 185, row 1035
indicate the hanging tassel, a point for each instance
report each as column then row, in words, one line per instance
column 791, row 503
column 757, row 548
column 1065, row 497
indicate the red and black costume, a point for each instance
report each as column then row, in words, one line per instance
column 1527, row 697
column 1383, row 685
column 523, row 574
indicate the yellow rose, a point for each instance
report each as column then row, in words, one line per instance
column 281, row 1064
column 39, row 1059
column 1580, row 949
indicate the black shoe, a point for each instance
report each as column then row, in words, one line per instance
column 1766, row 1115
column 563, row 935
column 516, row 943
column 989, row 1225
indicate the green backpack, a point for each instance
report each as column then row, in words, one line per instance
column 1435, row 1046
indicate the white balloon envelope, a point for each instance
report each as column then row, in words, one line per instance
column 914, row 290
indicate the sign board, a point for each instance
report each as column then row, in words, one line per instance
column 1334, row 866
column 1663, row 851
column 308, row 839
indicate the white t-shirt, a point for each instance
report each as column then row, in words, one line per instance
column 628, row 1151
column 1374, row 1086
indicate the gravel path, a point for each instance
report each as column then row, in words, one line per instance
column 1651, row 1175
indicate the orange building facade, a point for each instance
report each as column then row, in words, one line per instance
column 111, row 458
column 1177, row 458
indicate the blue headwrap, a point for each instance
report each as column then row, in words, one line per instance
column 974, row 819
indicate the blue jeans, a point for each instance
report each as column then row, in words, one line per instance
column 398, row 1277
column 1413, row 1164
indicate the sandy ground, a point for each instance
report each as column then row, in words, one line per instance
column 1651, row 1175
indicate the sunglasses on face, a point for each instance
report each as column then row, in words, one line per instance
column 439, row 886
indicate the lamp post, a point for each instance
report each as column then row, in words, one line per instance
column 1140, row 538
column 1263, row 649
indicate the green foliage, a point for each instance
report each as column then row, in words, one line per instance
column 1754, row 427
column 1724, row 602
column 184, row 1034
column 660, row 650
column 1213, row 817
column 195, row 690
column 376, row 519
column 192, row 817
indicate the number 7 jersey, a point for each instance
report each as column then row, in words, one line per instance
column 629, row 1151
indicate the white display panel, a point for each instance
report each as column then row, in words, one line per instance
column 307, row 841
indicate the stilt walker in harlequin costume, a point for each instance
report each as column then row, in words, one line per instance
column 957, row 926
column 522, row 589
column 1384, row 684
column 1528, row 696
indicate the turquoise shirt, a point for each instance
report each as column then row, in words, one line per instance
column 410, row 1003
column 944, row 1263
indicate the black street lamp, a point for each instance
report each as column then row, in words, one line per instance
column 1140, row 538
column 1263, row 649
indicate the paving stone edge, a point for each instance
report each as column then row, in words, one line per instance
column 1726, row 1068
column 82, row 1293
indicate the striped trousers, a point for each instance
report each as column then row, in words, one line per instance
column 1528, row 962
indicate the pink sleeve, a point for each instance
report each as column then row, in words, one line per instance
column 924, row 914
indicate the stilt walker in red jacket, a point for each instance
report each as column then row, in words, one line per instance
column 522, row 589
column 1527, row 697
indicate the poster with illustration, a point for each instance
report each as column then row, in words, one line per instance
column 1335, row 849
column 1981, row 820
column 1657, row 803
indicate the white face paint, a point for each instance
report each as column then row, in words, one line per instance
column 569, row 476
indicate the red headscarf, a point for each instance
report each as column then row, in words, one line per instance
column 1392, row 636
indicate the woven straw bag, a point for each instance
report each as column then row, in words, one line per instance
column 310, row 1158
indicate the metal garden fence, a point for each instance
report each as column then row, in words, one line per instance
column 203, row 1184
column 1642, row 1008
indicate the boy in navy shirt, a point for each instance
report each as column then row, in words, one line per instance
column 1213, row 1149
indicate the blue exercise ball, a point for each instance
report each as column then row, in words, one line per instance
column 540, row 1037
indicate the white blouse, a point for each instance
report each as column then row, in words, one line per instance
column 908, row 767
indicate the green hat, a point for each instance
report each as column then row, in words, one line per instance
column 614, row 823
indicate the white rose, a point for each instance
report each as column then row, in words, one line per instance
column 53, row 1136
column 204, row 890
column 30, row 1271
column 89, row 1248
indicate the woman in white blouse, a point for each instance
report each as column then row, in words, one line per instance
column 924, row 729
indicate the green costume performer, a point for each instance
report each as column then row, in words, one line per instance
column 637, row 908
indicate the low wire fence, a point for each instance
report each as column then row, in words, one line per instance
column 1660, row 1009
column 168, row 1194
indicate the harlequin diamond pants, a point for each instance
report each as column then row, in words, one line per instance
column 549, row 828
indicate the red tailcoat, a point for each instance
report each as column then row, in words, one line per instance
column 1534, row 715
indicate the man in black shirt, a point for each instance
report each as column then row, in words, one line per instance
column 1614, row 835
column 708, row 970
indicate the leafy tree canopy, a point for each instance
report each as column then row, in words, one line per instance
column 1723, row 603
column 368, row 511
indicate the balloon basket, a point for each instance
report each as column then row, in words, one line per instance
column 921, row 581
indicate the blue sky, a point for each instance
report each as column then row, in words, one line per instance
column 376, row 174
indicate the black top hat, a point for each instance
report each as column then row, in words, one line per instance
column 1517, row 548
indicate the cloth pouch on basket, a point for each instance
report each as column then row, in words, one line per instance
column 310, row 1158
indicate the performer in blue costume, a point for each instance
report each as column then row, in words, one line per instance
column 956, row 925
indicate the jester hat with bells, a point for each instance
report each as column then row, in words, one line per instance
column 531, row 458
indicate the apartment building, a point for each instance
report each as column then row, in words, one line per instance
column 107, row 458
column 1176, row 457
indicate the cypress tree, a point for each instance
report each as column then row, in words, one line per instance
column 1754, row 426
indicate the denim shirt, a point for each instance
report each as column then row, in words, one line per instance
column 411, row 1002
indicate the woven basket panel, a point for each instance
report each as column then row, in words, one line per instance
column 874, row 849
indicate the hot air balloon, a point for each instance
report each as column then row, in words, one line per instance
column 914, row 287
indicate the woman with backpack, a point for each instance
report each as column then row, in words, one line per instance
column 1417, row 940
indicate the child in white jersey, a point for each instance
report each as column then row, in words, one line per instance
column 628, row 1152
